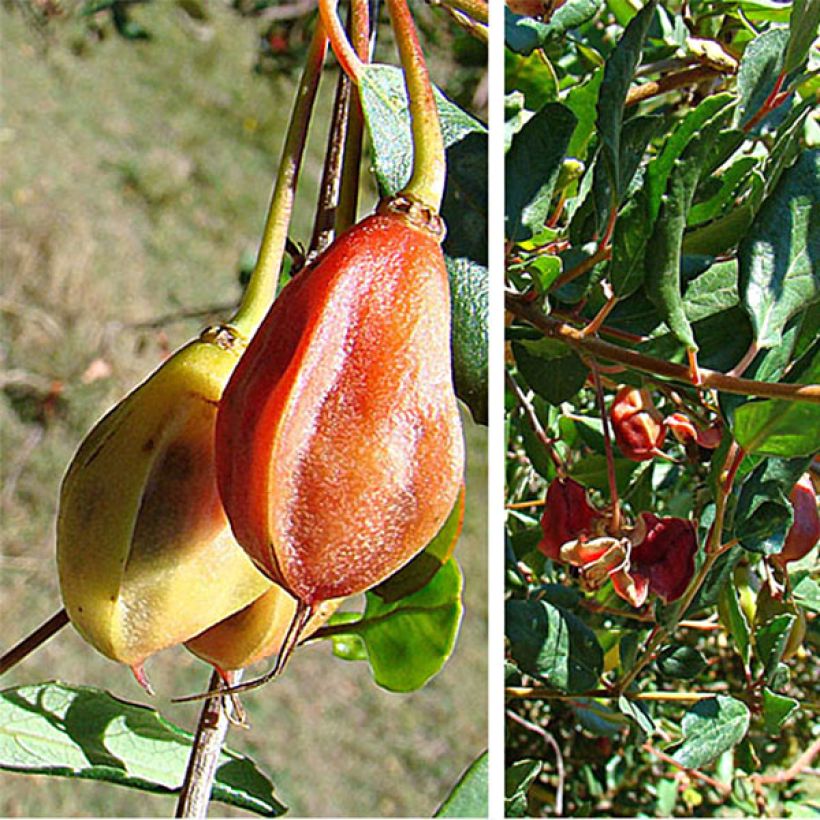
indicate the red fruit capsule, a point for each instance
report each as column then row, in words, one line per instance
column 664, row 554
column 805, row 529
column 567, row 516
column 638, row 426
column 338, row 442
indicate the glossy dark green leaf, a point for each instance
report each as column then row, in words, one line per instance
column 618, row 74
column 710, row 728
column 524, row 34
column 680, row 662
column 469, row 796
column 663, row 250
column 408, row 641
column 731, row 182
column 764, row 514
column 553, row 645
column 778, row 259
column 760, row 66
column 532, row 167
column 638, row 712
column 77, row 731
column 518, row 778
column 550, row 369
column 776, row 710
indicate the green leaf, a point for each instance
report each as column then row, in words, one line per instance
column 554, row 645
column 735, row 621
column 770, row 641
column 710, row 728
column 663, row 250
column 776, row 710
column 591, row 471
column 550, row 369
column 384, row 102
column 777, row 428
column 779, row 274
column 713, row 292
column 730, row 182
column 517, row 780
column 582, row 100
column 531, row 169
column 346, row 645
column 618, row 73
column 806, row 593
column 469, row 292
column 408, row 641
column 760, row 67
column 639, row 713
column 680, row 662
column 469, row 796
column 77, row 731
column 533, row 76
column 803, row 25
column 524, row 34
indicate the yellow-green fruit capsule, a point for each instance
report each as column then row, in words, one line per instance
column 145, row 554
column 256, row 632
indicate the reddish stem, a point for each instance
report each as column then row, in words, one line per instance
column 615, row 521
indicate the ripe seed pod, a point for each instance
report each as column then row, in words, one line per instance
column 339, row 447
column 145, row 555
column 254, row 633
column 685, row 431
column 663, row 552
column 805, row 529
column 567, row 516
column 638, row 426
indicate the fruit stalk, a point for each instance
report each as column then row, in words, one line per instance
column 264, row 281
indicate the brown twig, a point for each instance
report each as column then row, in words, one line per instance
column 197, row 785
column 795, row 770
column 690, row 76
column 544, row 693
column 535, row 424
column 723, row 788
column 584, row 267
column 710, row 379
column 31, row 642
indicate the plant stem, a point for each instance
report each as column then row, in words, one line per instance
column 724, row 789
column 544, row 693
column 615, row 521
column 350, row 62
column 477, row 9
column 197, row 785
column 586, row 266
column 690, row 76
column 31, row 642
column 364, row 44
column 324, row 224
column 263, row 285
column 657, row 367
column 429, row 166
column 535, row 424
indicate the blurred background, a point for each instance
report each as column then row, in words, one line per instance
column 139, row 144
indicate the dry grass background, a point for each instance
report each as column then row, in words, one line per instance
column 134, row 176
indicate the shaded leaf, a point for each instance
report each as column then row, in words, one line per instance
column 78, row 731
column 518, row 778
column 680, row 662
column 803, row 26
column 760, row 66
column 711, row 727
column 734, row 620
column 532, row 167
column 806, row 593
column 524, row 34
column 552, row 371
column 554, row 645
column 770, row 642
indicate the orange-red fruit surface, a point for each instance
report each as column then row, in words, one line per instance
column 339, row 444
column 805, row 529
